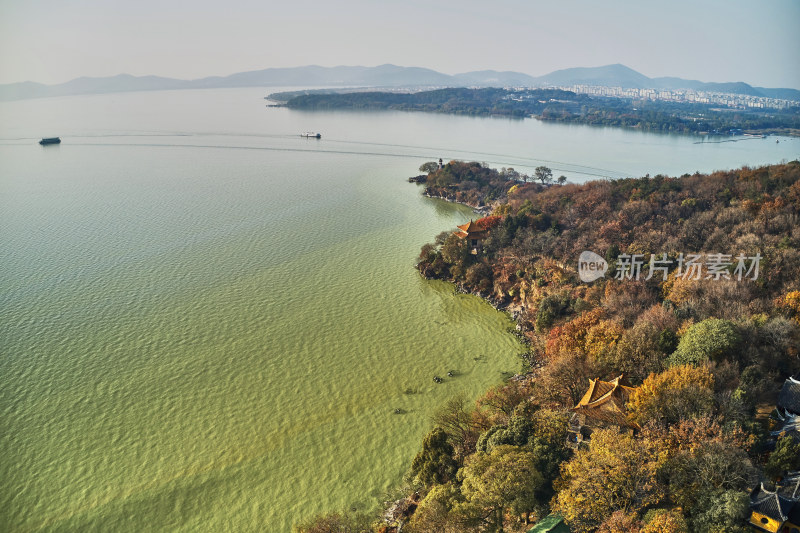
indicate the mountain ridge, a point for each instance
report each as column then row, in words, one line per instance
column 383, row 76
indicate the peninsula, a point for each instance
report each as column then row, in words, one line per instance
column 559, row 105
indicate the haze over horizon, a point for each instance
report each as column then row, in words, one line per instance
column 52, row 42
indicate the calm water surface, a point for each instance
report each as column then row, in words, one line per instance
column 207, row 322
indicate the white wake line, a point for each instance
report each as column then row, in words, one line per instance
column 342, row 152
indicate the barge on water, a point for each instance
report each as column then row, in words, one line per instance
column 50, row 140
column 311, row 135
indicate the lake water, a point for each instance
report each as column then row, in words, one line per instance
column 207, row 322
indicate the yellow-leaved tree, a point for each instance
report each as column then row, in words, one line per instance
column 616, row 473
column 679, row 393
column 665, row 521
column 504, row 481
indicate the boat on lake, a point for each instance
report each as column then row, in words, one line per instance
column 311, row 135
column 50, row 140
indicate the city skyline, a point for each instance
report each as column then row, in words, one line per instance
column 53, row 42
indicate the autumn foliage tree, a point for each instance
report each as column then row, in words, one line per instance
column 461, row 423
column 678, row 393
column 499, row 402
column 619, row 522
column 502, row 481
column 664, row 521
column 616, row 473
column 571, row 336
column 790, row 304
column 564, row 380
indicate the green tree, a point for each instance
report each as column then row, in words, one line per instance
column 722, row 512
column 516, row 433
column 698, row 474
column 710, row 340
column 505, row 480
column 785, row 457
column 541, row 431
column 552, row 306
column 562, row 180
column 544, row 174
column 430, row 166
column 445, row 510
column 434, row 463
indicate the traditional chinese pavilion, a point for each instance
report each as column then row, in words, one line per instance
column 777, row 510
column 790, row 427
column 789, row 397
column 603, row 405
column 476, row 231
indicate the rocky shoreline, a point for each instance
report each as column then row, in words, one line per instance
column 483, row 210
column 514, row 312
column 503, row 305
column 480, row 210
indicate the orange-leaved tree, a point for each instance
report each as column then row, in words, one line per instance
column 681, row 392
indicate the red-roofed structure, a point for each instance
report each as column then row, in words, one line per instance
column 476, row 231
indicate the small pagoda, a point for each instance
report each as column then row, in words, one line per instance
column 475, row 232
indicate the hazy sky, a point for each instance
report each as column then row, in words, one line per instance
column 51, row 41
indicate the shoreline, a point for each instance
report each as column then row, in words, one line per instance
column 478, row 210
column 767, row 132
column 567, row 107
column 584, row 327
column 514, row 312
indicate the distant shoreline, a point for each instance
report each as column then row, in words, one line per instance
column 556, row 105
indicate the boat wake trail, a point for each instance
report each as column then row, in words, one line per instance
column 431, row 153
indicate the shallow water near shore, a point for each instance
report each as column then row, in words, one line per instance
column 207, row 323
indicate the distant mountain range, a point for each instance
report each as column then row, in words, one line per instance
column 383, row 76
column 622, row 76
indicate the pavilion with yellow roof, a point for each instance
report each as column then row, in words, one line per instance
column 603, row 405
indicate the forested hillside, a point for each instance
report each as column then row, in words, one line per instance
column 699, row 310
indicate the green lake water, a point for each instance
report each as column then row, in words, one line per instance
column 206, row 322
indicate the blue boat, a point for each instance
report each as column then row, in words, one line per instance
column 50, row 140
